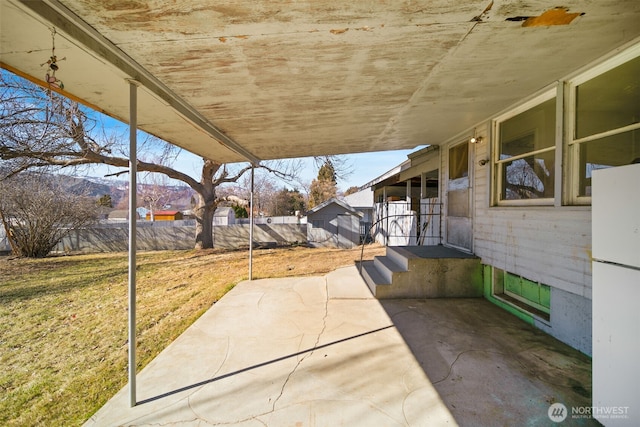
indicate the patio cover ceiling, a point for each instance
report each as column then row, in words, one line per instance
column 267, row 79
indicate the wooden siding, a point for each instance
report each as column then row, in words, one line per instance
column 547, row 244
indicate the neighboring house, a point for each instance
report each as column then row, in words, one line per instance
column 516, row 192
column 362, row 201
column 407, row 204
column 142, row 212
column 333, row 224
column 164, row 216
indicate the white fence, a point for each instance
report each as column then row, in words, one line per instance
column 172, row 235
column 395, row 224
column 268, row 220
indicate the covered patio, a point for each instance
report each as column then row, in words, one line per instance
column 238, row 82
column 255, row 81
column 321, row 351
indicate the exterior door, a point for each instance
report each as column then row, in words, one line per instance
column 458, row 202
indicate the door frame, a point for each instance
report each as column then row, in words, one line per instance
column 460, row 183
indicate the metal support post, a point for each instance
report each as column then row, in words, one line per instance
column 251, row 226
column 133, row 169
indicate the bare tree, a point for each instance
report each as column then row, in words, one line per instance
column 40, row 128
column 528, row 178
column 266, row 188
column 154, row 192
column 37, row 212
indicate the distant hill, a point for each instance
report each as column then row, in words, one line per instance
column 178, row 197
column 85, row 186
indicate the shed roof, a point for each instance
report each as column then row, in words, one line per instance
column 335, row 201
column 120, row 214
column 223, row 211
column 166, row 212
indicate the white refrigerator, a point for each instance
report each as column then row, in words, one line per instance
column 616, row 295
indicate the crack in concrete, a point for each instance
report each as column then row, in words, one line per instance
column 460, row 355
column 195, row 391
column 324, row 326
column 256, row 417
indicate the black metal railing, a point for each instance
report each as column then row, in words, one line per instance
column 399, row 225
column 428, row 226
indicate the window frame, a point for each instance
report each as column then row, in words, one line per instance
column 456, row 149
column 571, row 183
column 496, row 162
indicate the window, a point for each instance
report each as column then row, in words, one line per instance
column 605, row 124
column 524, row 154
column 593, row 123
column 317, row 223
column 459, row 161
column 528, row 295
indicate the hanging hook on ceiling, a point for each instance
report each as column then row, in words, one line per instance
column 52, row 64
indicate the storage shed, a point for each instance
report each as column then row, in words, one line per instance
column 164, row 216
column 362, row 201
column 224, row 216
column 333, row 224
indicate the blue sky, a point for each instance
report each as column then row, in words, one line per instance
column 365, row 166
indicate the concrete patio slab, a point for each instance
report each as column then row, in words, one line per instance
column 321, row 351
column 300, row 351
column 491, row 368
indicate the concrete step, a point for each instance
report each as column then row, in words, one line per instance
column 387, row 267
column 424, row 272
column 399, row 256
column 372, row 276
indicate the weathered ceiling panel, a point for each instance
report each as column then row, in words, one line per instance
column 292, row 79
column 26, row 43
column 288, row 79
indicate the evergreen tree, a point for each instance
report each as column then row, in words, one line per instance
column 288, row 202
column 325, row 187
column 240, row 211
column 327, row 172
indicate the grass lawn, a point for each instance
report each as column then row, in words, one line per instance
column 63, row 319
